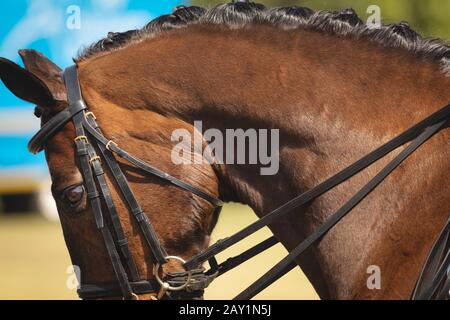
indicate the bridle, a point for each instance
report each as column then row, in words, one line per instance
column 189, row 284
column 433, row 282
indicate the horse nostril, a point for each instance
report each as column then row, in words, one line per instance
column 74, row 194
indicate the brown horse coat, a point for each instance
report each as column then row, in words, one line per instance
column 333, row 96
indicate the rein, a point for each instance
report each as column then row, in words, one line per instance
column 433, row 282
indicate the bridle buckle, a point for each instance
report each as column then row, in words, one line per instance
column 81, row 138
column 165, row 287
column 108, row 145
column 96, row 158
column 87, row 114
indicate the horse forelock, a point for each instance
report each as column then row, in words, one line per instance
column 236, row 15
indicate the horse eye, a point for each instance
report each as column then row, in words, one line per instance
column 74, row 194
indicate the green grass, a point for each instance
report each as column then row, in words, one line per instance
column 34, row 260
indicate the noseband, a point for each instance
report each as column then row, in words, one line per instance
column 433, row 282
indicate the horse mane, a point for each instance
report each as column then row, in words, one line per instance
column 242, row 13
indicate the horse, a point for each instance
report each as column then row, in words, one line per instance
column 333, row 87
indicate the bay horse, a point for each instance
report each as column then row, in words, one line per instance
column 334, row 88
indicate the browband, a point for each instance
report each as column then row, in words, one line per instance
column 50, row 128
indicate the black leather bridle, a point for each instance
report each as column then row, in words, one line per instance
column 188, row 284
column 433, row 282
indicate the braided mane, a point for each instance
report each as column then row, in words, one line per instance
column 240, row 14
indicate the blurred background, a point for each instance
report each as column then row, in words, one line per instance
column 33, row 257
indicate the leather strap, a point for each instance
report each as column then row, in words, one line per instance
column 288, row 263
column 120, row 237
column 195, row 289
column 236, row 261
column 141, row 218
column 82, row 145
column 150, row 169
column 54, row 125
column 320, row 189
column 112, row 290
column 436, row 270
column 92, row 171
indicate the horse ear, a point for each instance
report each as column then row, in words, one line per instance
column 48, row 72
column 24, row 84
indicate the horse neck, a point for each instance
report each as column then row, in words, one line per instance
column 333, row 100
